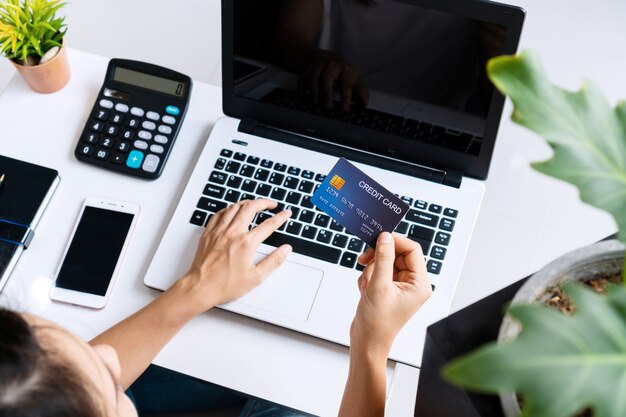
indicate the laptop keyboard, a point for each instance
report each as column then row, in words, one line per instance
column 383, row 122
column 237, row 176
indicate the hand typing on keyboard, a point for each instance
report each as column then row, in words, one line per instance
column 393, row 286
column 222, row 269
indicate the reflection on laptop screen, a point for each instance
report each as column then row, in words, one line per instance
column 393, row 67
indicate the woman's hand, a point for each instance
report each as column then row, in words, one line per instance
column 393, row 286
column 223, row 268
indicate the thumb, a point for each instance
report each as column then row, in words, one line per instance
column 384, row 258
column 272, row 261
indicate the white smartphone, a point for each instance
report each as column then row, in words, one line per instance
column 95, row 252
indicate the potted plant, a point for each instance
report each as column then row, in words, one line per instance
column 561, row 351
column 31, row 36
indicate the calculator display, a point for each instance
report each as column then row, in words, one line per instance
column 151, row 82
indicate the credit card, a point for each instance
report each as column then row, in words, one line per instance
column 359, row 203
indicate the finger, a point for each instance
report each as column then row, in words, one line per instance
column 366, row 257
column 411, row 252
column 330, row 75
column 384, row 258
column 226, row 216
column 348, row 81
column 249, row 209
column 269, row 226
column 275, row 259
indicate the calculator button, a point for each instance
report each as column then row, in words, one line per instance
column 102, row 154
column 102, row 115
column 136, row 111
column 86, row 149
column 169, row 120
column 90, row 137
column 160, row 139
column 96, row 126
column 121, row 107
column 165, row 129
column 156, row 148
column 106, row 142
column 107, row 104
column 135, row 158
column 173, row 110
column 132, row 122
column 117, row 118
column 140, row 144
column 112, row 130
column 127, row 134
column 151, row 163
column 148, row 125
column 144, row 135
column 152, row 115
column 122, row 146
column 118, row 158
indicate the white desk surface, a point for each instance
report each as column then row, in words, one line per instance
column 526, row 220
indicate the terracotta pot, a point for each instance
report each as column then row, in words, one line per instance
column 49, row 77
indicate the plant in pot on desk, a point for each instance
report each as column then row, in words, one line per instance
column 561, row 350
column 31, row 36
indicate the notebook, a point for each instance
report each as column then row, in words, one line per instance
column 399, row 89
column 24, row 195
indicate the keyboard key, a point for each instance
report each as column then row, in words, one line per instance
column 233, row 167
column 279, row 207
column 293, row 171
column 280, row 167
column 309, row 231
column 106, row 142
column 232, row 196
column 261, row 174
column 248, row 185
column 261, row 217
column 102, row 154
column 217, row 177
column 434, row 267
column 291, row 182
column 293, row 227
column 360, row 267
column 320, row 177
column 263, row 189
column 247, row 197
column 295, row 211
column 324, row 236
column 96, row 126
column 276, row 178
column 307, row 216
column 239, row 156
column 420, row 204
column 340, row 240
column 308, row 174
column 122, row 146
column 306, row 202
column 293, row 197
column 91, row 138
column 442, row 238
column 107, row 104
column 306, row 187
column 336, row 226
column 127, row 134
column 446, row 224
column 226, row 153
column 278, row 193
column 247, row 171
column 422, row 218
column 450, row 212
column 102, row 115
column 348, row 259
column 425, row 244
column 407, row 200
column 220, row 163
column 304, row 247
column 132, row 122
column 198, row 218
column 422, row 232
column 402, row 228
column 117, row 118
column 86, row 150
column 211, row 205
column 266, row 163
column 356, row 245
column 234, row 181
column 213, row 191
column 435, row 208
column 254, row 160
column 438, row 252
column 118, row 158
column 322, row 220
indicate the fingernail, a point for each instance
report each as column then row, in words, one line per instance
column 286, row 250
column 385, row 238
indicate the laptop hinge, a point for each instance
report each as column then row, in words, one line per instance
column 253, row 127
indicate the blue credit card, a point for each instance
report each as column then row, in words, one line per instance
column 359, row 203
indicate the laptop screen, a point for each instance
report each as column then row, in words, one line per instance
column 405, row 70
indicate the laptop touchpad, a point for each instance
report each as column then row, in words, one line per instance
column 288, row 292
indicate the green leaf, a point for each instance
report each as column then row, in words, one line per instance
column 559, row 364
column 588, row 136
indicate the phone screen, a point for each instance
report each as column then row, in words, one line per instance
column 92, row 256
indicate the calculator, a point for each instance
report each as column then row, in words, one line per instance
column 135, row 120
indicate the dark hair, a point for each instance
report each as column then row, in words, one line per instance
column 33, row 382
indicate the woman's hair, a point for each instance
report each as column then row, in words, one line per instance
column 33, row 383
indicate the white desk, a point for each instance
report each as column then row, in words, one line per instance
column 526, row 220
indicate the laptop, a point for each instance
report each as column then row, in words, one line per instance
column 396, row 87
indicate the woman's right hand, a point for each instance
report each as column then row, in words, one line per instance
column 393, row 286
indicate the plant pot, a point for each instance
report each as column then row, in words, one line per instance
column 49, row 77
column 583, row 264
